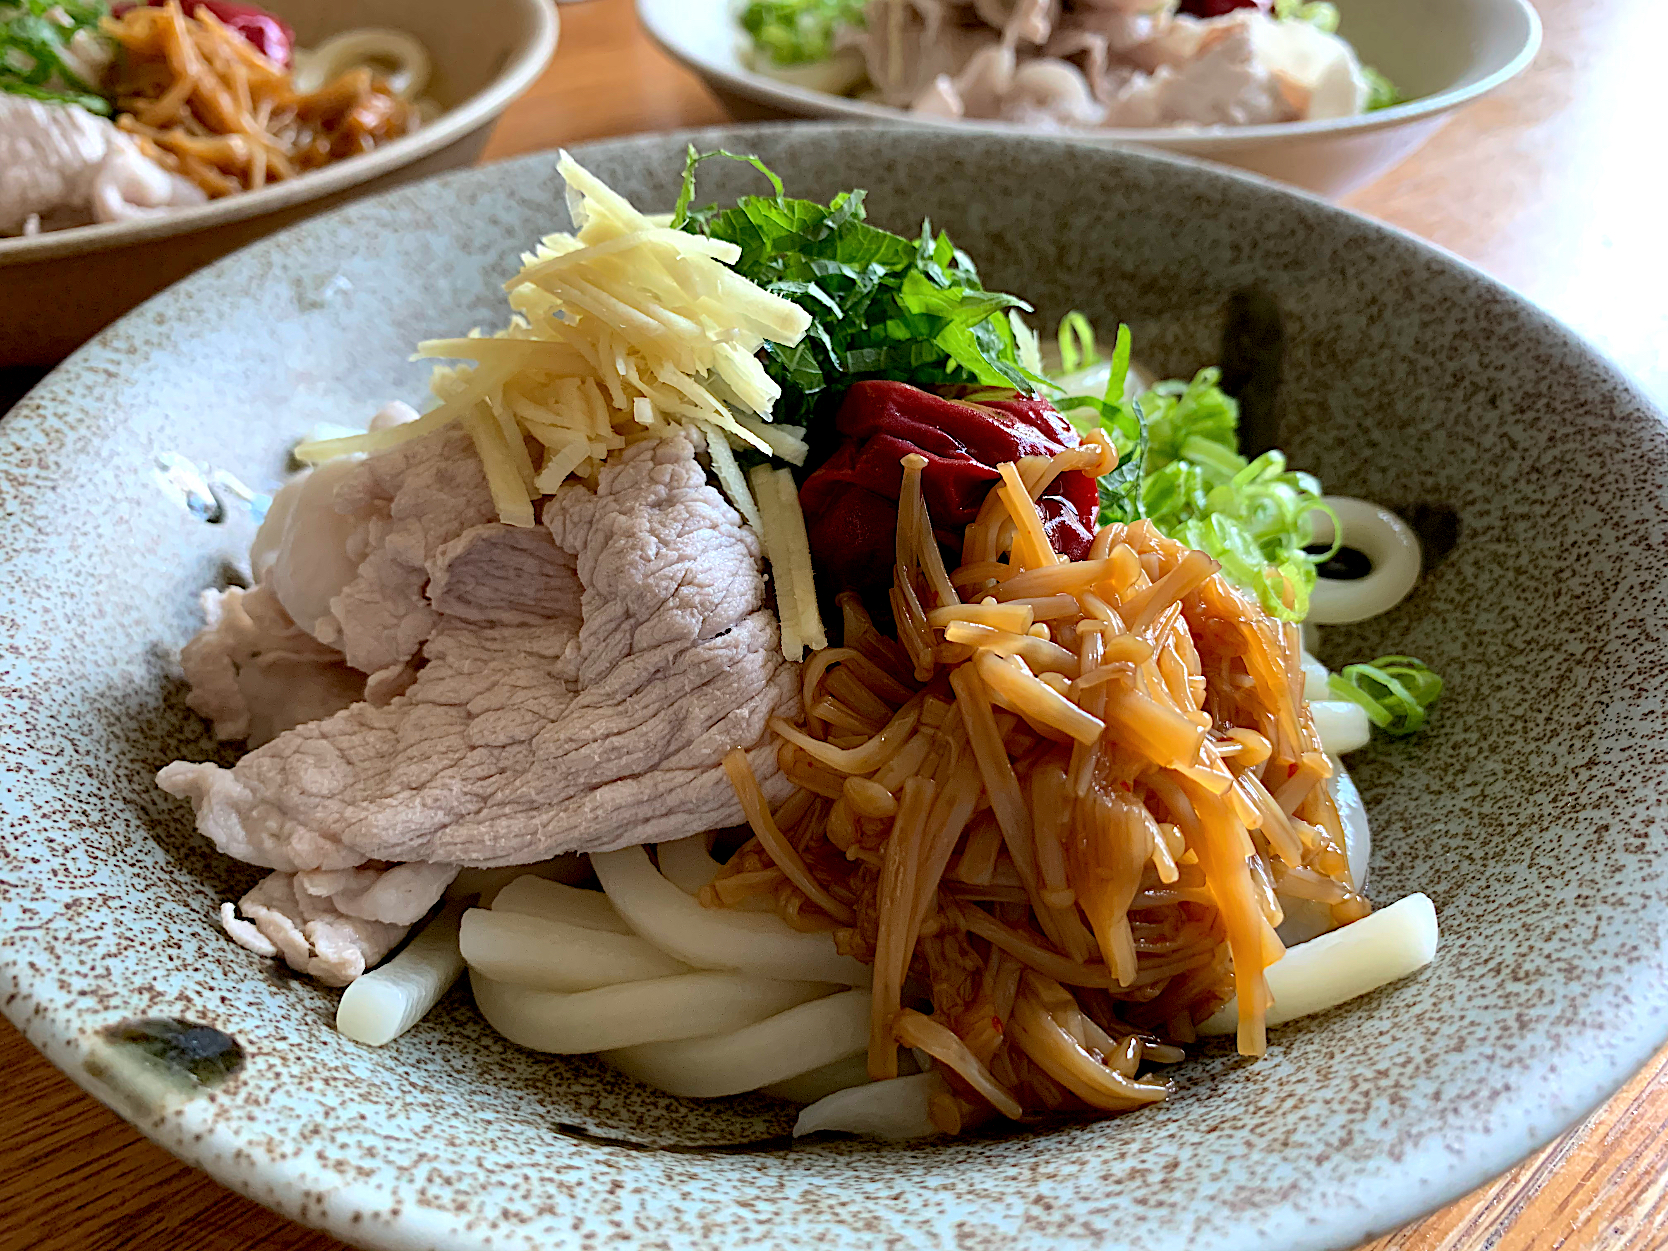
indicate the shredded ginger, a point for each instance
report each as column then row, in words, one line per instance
column 619, row 332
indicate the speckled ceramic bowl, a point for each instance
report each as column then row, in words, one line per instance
column 1531, row 812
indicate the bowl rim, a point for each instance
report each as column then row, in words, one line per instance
column 805, row 101
column 284, row 1185
column 520, row 70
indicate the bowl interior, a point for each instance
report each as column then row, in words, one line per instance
column 467, row 53
column 1398, row 374
column 1427, row 47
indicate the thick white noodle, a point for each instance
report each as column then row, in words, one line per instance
column 1341, row 723
column 552, row 955
column 755, row 942
column 654, row 1013
column 842, row 1075
column 397, row 58
column 1315, row 677
column 1358, row 836
column 853, row 1070
column 686, row 863
column 1335, row 968
column 486, row 883
column 382, row 1004
column 1385, row 540
column 894, row 1109
column 556, row 901
column 789, row 1043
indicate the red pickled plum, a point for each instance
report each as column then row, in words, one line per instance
column 1216, row 8
column 267, row 34
column 851, row 500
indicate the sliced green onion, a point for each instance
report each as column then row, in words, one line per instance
column 1318, row 13
column 1120, row 364
column 1381, row 92
column 1255, row 517
column 1077, row 343
column 1394, row 691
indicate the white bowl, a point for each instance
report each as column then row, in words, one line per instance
column 1439, row 53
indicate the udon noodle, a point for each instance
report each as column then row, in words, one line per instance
column 203, row 103
column 1060, row 805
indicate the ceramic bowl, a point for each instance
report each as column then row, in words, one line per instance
column 1441, row 54
column 59, row 288
column 1530, row 811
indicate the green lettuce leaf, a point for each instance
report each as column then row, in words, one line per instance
column 799, row 32
column 35, row 36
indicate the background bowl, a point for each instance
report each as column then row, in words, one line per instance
column 1439, row 53
column 1530, row 812
column 58, row 289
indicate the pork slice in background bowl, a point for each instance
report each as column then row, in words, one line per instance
column 60, row 287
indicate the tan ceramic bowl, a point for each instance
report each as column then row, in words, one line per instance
column 58, row 289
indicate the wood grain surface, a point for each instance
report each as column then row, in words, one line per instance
column 1547, row 185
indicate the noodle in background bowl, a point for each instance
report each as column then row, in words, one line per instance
column 59, row 288
column 1529, row 812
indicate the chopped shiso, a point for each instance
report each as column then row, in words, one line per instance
column 881, row 305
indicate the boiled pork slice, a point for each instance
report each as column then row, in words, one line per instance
column 255, row 674
column 63, row 166
column 576, row 686
column 407, row 503
column 335, row 925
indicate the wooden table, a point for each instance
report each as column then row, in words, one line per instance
column 1538, row 185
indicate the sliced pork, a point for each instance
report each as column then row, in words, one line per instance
column 406, row 504
column 1083, row 64
column 62, row 166
column 334, row 926
column 254, row 673
column 576, row 687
